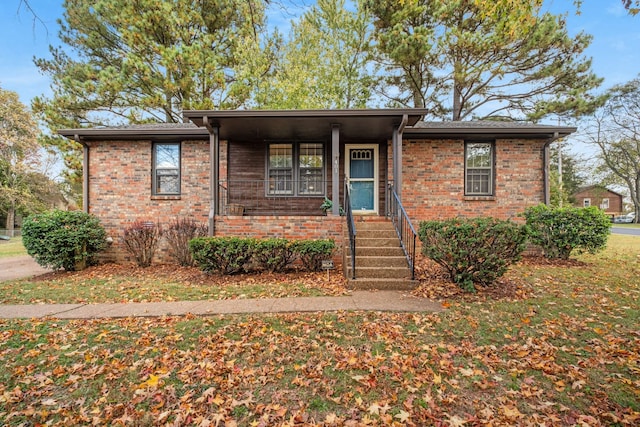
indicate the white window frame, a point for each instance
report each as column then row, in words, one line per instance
column 491, row 169
column 586, row 202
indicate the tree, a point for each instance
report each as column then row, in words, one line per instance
column 615, row 131
column 144, row 61
column 572, row 176
column 473, row 58
column 324, row 63
column 21, row 185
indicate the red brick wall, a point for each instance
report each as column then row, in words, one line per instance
column 433, row 180
column 120, row 188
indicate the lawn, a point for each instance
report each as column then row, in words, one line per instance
column 12, row 247
column 558, row 345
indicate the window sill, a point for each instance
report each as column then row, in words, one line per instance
column 480, row 198
column 165, row 197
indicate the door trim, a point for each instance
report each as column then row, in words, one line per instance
column 376, row 173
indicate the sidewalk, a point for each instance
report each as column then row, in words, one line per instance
column 358, row 300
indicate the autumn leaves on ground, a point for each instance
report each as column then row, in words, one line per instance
column 551, row 344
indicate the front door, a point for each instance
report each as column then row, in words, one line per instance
column 361, row 168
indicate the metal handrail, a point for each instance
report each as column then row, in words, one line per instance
column 406, row 233
column 351, row 226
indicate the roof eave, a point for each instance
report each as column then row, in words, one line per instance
column 470, row 132
column 133, row 134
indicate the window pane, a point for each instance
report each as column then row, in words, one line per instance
column 280, row 156
column 166, row 168
column 479, row 169
column 280, row 182
column 478, row 155
column 310, row 168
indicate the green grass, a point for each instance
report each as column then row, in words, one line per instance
column 12, row 247
column 566, row 354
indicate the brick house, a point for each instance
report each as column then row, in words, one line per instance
column 266, row 173
column 597, row 195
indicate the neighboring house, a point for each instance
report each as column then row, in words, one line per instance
column 596, row 195
column 266, row 173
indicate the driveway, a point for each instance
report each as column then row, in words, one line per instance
column 624, row 230
column 18, row 267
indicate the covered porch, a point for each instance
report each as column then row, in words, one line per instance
column 292, row 162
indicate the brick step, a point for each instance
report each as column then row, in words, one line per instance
column 379, row 261
column 380, row 272
column 382, row 284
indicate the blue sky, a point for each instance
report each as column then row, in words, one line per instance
column 614, row 48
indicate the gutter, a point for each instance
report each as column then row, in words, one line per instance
column 85, row 173
column 545, row 166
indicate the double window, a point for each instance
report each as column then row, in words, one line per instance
column 479, row 168
column 166, row 169
column 296, row 169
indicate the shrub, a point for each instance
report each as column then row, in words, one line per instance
column 274, row 254
column 141, row 240
column 560, row 231
column 312, row 252
column 473, row 250
column 62, row 239
column 178, row 234
column 227, row 255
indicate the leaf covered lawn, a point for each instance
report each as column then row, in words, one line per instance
column 558, row 346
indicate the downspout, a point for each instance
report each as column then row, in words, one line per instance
column 85, row 173
column 397, row 155
column 214, row 171
column 545, row 166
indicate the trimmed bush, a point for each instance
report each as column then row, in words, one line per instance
column 63, row 239
column 178, row 234
column 226, row 255
column 274, row 254
column 141, row 240
column 560, row 231
column 473, row 250
column 312, row 252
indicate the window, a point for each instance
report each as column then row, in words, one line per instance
column 296, row 169
column 479, row 169
column 166, row 168
column 586, row 203
column 605, row 204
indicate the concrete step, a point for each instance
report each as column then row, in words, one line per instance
column 374, row 225
column 376, row 251
column 379, row 261
column 382, row 284
column 380, row 272
column 376, row 234
column 377, row 242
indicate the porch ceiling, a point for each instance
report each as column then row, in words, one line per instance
column 305, row 124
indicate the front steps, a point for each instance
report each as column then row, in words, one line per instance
column 380, row 260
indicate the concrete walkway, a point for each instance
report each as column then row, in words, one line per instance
column 358, row 300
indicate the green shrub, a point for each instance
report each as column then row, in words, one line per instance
column 473, row 250
column 560, row 231
column 226, row 255
column 141, row 240
column 274, row 254
column 63, row 239
column 312, row 252
column 178, row 234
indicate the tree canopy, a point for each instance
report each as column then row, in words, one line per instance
column 471, row 58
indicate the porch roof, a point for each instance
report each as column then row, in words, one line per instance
column 276, row 124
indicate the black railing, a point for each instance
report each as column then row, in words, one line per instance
column 351, row 226
column 272, row 197
column 402, row 224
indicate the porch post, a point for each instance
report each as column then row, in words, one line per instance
column 335, row 168
column 397, row 155
column 214, row 171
